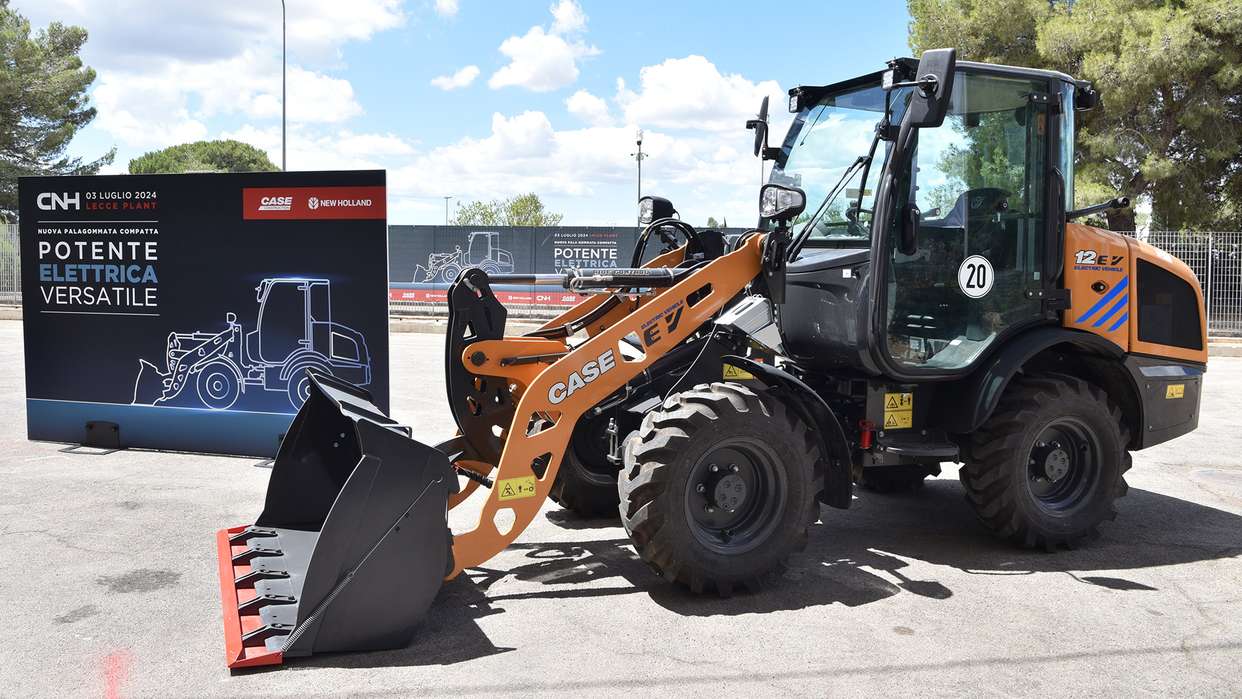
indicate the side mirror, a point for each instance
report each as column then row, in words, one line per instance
column 908, row 243
column 934, row 83
column 230, row 318
column 760, row 126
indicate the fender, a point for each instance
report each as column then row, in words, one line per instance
column 301, row 359
column 838, row 485
column 966, row 409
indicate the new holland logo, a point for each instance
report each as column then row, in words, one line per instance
column 313, row 203
column 276, row 204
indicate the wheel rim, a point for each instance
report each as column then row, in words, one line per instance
column 1063, row 466
column 303, row 390
column 217, row 388
column 735, row 495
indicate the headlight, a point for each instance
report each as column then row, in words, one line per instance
column 644, row 211
column 781, row 203
column 653, row 209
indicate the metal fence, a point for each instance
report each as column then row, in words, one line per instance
column 10, row 272
column 1215, row 257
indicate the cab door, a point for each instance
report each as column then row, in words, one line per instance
column 977, row 192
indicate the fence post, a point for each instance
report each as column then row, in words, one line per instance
column 1207, row 296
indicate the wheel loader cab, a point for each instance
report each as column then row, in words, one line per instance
column 980, row 197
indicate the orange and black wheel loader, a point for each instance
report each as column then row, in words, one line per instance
column 936, row 303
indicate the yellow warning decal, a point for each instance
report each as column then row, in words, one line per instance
column 736, row 373
column 1174, row 390
column 515, row 488
column 898, row 411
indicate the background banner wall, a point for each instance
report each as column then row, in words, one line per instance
column 186, row 308
column 423, row 260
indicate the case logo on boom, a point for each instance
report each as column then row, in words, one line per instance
column 579, row 379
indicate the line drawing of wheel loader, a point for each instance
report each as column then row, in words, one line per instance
column 483, row 251
column 294, row 333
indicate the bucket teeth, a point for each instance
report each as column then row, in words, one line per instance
column 249, row 533
column 260, row 635
column 254, row 552
column 254, row 576
column 260, row 601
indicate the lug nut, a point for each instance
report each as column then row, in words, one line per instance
column 733, row 468
column 701, row 488
column 714, row 468
column 709, row 509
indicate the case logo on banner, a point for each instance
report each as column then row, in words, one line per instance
column 309, row 203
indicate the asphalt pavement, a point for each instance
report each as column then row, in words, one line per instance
column 110, row 587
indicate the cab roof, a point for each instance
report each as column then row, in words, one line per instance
column 813, row 92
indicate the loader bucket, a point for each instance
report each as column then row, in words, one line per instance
column 352, row 544
column 149, row 387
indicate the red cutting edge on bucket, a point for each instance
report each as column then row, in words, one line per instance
column 236, row 624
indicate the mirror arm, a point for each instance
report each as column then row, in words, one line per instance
column 1114, row 203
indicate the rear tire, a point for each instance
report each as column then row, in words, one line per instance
column 733, row 525
column 1047, row 467
column 586, row 482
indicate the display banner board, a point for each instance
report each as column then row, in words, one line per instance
column 183, row 311
column 423, row 260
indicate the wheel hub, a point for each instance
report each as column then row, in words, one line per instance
column 729, row 492
column 1056, row 462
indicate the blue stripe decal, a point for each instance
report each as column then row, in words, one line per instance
column 1124, row 317
column 1112, row 311
column 1125, row 281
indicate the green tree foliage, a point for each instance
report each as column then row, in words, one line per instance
column 712, row 224
column 203, row 156
column 43, row 103
column 1170, row 75
column 523, row 210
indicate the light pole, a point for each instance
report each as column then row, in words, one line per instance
column 638, row 156
column 446, row 203
column 284, row 53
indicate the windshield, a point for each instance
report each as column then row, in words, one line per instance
column 825, row 153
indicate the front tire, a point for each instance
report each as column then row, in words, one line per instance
column 718, row 489
column 1047, row 467
column 218, row 385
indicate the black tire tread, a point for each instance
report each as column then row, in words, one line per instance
column 662, row 438
column 985, row 482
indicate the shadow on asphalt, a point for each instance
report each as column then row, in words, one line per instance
column 855, row 557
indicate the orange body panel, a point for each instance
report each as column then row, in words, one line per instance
column 563, row 391
column 1101, row 272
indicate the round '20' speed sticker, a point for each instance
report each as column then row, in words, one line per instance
column 975, row 276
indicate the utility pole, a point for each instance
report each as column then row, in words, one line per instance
column 446, row 203
column 638, row 156
column 284, row 53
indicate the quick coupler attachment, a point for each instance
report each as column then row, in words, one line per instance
column 352, row 544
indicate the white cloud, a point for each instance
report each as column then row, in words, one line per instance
column 589, row 108
column 446, row 8
column 690, row 93
column 460, row 79
column 545, row 60
column 567, row 17
column 311, row 149
column 166, row 70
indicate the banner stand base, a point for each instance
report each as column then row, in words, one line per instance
column 100, row 435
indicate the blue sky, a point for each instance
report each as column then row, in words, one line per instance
column 548, row 95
